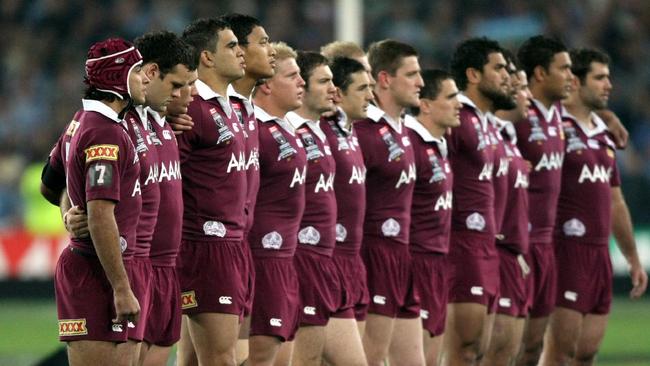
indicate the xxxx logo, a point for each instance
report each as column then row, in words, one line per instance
column 72, row 327
column 101, row 152
column 188, row 300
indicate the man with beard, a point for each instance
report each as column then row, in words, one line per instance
column 590, row 203
column 480, row 71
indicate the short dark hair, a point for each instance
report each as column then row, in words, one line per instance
column 308, row 61
column 167, row 50
column 203, row 34
column 387, row 56
column 433, row 79
column 242, row 25
column 472, row 53
column 582, row 58
column 539, row 51
column 342, row 69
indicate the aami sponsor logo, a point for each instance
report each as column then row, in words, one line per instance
column 358, row 175
column 598, row 174
column 72, row 327
column 444, row 201
column 237, row 162
column 253, row 159
column 552, row 161
column 504, row 163
column 486, row 172
column 169, row 172
column 324, row 184
column 188, row 300
column 522, row 180
column 299, row 177
column 406, row 176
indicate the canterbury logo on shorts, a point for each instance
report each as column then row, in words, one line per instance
column 72, row 327
column 188, row 300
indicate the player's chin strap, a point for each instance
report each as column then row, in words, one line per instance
column 128, row 106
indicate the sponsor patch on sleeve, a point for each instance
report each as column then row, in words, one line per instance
column 100, row 175
column 72, row 327
column 101, row 152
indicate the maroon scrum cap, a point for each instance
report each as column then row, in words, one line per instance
column 109, row 64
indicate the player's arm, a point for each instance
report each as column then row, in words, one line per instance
column 52, row 183
column 106, row 239
column 615, row 126
column 74, row 218
column 180, row 123
column 624, row 235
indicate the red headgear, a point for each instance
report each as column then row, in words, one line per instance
column 109, row 64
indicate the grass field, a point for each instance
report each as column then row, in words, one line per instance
column 28, row 332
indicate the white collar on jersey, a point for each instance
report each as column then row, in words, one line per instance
column 546, row 112
column 160, row 120
column 206, row 93
column 92, row 105
column 296, row 121
column 341, row 121
column 503, row 125
column 141, row 111
column 464, row 99
column 600, row 125
column 375, row 113
column 248, row 103
column 265, row 117
column 417, row 127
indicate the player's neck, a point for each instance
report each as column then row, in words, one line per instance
column 512, row 115
column 269, row 107
column 217, row 83
column 348, row 120
column 539, row 95
column 579, row 110
column 117, row 105
column 245, row 85
column 308, row 113
column 434, row 129
column 389, row 106
column 483, row 103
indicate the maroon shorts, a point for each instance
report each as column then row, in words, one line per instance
column 164, row 321
column 320, row 287
column 248, row 306
column 584, row 277
column 277, row 300
column 140, row 278
column 84, row 300
column 474, row 270
column 431, row 284
column 214, row 277
column 513, row 299
column 352, row 273
column 390, row 280
column 541, row 284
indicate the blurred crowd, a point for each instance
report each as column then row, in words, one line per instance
column 42, row 52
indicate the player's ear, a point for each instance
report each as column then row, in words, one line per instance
column 539, row 73
column 425, row 106
column 207, row 58
column 473, row 75
column 338, row 95
column 264, row 88
column 152, row 70
column 383, row 79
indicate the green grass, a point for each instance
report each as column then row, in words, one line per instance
column 28, row 332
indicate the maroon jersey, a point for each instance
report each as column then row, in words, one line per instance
column 390, row 177
column 541, row 141
column 589, row 172
column 317, row 228
column 281, row 198
column 103, row 165
column 246, row 115
column 213, row 164
column 167, row 234
column 471, row 154
column 514, row 231
column 59, row 154
column 136, row 121
column 432, row 196
column 349, row 183
column 500, row 177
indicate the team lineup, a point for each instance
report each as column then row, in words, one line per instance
column 257, row 205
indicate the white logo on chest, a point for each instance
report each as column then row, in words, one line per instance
column 444, row 201
column 504, row 163
column 237, row 162
column 298, row 177
column 486, row 172
column 522, row 180
column 598, row 174
column 406, row 177
column 358, row 175
column 553, row 161
column 325, row 184
column 390, row 228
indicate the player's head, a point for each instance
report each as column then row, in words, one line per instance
column 350, row 50
column 548, row 66
column 439, row 99
column 114, row 71
column 180, row 105
column 217, row 47
column 353, row 89
column 253, row 40
column 396, row 70
column 319, row 88
column 478, row 63
column 169, row 63
column 591, row 68
column 285, row 89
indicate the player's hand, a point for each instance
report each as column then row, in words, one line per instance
column 126, row 306
column 76, row 222
column 639, row 280
column 616, row 128
column 180, row 123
